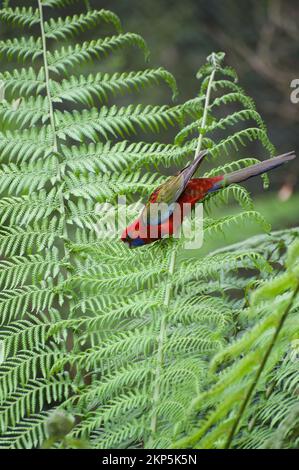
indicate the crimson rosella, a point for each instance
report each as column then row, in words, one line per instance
column 165, row 209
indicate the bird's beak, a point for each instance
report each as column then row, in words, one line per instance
column 126, row 241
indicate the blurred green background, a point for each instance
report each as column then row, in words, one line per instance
column 260, row 38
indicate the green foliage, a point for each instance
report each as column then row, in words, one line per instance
column 50, row 184
column 251, row 401
column 121, row 339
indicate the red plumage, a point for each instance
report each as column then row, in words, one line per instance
column 181, row 193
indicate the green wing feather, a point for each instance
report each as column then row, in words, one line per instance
column 162, row 202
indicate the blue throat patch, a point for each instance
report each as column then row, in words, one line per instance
column 137, row 242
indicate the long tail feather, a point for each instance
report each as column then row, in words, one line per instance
column 254, row 170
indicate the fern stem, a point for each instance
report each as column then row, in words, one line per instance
column 47, row 76
column 167, row 297
column 260, row 370
column 206, row 108
column 66, row 253
column 162, row 336
column 52, row 116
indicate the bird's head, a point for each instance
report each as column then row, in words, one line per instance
column 130, row 236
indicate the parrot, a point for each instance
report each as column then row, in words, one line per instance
column 164, row 212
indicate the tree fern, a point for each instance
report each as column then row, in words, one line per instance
column 38, row 209
column 121, row 339
column 251, row 398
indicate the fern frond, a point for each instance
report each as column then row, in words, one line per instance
column 18, row 240
column 21, row 49
column 16, row 178
column 230, row 98
column 74, row 25
column 24, row 400
column 230, row 120
column 106, row 187
column 23, row 210
column 26, row 145
column 238, row 380
column 30, row 433
column 20, row 16
column 238, row 140
column 16, row 270
column 58, row 3
column 28, row 334
column 15, row 303
column 114, row 121
column 25, row 366
column 86, row 89
column 61, row 61
column 239, row 194
column 122, row 156
column 28, row 113
column 24, row 82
